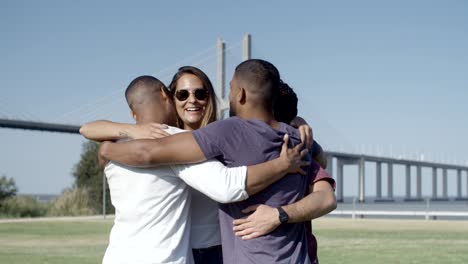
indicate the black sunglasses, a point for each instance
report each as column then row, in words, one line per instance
column 200, row 94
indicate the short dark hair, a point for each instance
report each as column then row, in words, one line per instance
column 141, row 87
column 285, row 108
column 261, row 78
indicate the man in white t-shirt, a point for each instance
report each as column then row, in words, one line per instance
column 152, row 219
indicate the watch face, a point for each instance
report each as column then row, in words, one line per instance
column 284, row 218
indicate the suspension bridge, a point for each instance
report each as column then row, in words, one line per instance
column 384, row 166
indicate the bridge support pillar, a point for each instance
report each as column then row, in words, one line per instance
column 419, row 183
column 362, row 170
column 460, row 196
column 329, row 168
column 434, row 183
column 444, row 184
column 378, row 180
column 220, row 79
column 339, row 179
column 390, row 181
column 408, row 182
column 246, row 47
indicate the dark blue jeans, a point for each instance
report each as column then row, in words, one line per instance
column 211, row 255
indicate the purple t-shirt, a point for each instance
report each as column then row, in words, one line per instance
column 236, row 142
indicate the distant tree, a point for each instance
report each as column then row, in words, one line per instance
column 7, row 188
column 88, row 175
column 75, row 201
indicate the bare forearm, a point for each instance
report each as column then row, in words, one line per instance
column 316, row 204
column 105, row 130
column 178, row 149
column 132, row 153
column 263, row 175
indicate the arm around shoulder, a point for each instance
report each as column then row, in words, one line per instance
column 105, row 130
column 320, row 201
column 177, row 149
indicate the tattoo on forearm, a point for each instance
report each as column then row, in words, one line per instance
column 123, row 134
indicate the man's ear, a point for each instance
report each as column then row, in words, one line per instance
column 164, row 94
column 134, row 116
column 166, row 99
column 242, row 96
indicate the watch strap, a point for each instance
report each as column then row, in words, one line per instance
column 283, row 216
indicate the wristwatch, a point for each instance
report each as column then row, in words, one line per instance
column 283, row 216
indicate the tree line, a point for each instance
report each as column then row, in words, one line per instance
column 83, row 198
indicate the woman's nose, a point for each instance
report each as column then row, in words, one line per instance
column 192, row 98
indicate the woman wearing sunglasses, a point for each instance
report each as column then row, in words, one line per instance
column 195, row 103
column 194, row 98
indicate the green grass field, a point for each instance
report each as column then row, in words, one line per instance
column 54, row 242
column 340, row 241
column 391, row 241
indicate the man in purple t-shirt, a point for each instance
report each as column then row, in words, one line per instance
column 252, row 137
column 237, row 141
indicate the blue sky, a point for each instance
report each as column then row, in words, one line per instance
column 378, row 77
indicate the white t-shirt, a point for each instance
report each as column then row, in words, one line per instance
column 152, row 218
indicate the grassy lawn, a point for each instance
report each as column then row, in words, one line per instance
column 340, row 241
column 391, row 241
column 54, row 242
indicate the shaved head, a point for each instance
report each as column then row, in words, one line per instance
column 261, row 79
column 142, row 91
column 149, row 100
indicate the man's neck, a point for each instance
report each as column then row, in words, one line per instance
column 264, row 116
